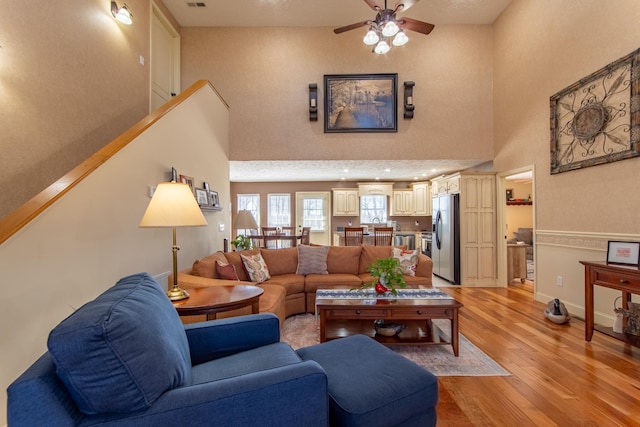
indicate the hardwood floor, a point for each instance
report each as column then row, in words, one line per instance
column 557, row 378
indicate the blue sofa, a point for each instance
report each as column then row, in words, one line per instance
column 126, row 359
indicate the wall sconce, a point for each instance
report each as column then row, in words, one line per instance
column 313, row 102
column 122, row 14
column 408, row 100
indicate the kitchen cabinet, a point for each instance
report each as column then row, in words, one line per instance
column 421, row 199
column 376, row 188
column 478, row 249
column 346, row 202
column 446, row 185
column 402, row 203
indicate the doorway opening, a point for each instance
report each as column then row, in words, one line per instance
column 518, row 221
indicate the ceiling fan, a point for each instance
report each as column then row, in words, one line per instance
column 386, row 25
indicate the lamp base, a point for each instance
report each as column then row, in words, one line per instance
column 177, row 294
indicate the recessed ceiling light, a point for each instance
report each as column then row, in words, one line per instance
column 387, row 170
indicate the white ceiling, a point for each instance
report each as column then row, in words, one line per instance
column 325, row 13
column 333, row 13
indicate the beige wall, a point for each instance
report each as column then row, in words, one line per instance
column 541, row 47
column 64, row 67
column 90, row 237
column 264, row 74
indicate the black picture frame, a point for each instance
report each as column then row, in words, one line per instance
column 360, row 103
column 624, row 253
column 215, row 200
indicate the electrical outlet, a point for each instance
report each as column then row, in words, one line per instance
column 220, row 227
column 559, row 280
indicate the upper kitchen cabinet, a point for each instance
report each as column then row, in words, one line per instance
column 402, row 203
column 346, row 202
column 421, row 199
column 446, row 185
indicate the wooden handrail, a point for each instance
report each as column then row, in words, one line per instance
column 20, row 217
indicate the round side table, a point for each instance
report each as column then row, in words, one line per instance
column 216, row 299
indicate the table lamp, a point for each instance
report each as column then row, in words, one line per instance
column 245, row 221
column 173, row 205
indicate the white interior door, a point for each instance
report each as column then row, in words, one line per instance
column 165, row 61
column 313, row 209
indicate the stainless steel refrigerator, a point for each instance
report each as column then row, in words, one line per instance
column 445, row 248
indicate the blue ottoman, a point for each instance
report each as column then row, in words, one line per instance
column 370, row 385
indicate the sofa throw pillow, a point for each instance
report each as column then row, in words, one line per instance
column 123, row 350
column 256, row 267
column 226, row 271
column 408, row 260
column 312, row 259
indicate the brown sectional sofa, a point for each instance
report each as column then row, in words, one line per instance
column 288, row 293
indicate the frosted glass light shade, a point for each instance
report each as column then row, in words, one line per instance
column 173, row 205
column 400, row 39
column 371, row 38
column 390, row 29
column 382, row 48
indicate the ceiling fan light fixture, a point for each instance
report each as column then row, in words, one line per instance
column 371, row 37
column 390, row 29
column 382, row 47
column 400, row 39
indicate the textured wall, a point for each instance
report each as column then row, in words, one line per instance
column 70, row 82
column 541, row 47
column 264, row 74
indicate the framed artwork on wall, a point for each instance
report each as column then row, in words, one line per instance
column 597, row 119
column 361, row 103
column 187, row 180
column 623, row 253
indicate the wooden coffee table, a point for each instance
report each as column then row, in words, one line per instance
column 343, row 317
column 216, row 299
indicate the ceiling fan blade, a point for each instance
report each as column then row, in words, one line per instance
column 351, row 27
column 415, row 25
column 403, row 5
column 373, row 4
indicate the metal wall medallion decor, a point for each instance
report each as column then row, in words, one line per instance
column 597, row 119
column 361, row 103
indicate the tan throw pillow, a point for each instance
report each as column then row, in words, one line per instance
column 312, row 259
column 256, row 267
column 408, row 260
column 226, row 271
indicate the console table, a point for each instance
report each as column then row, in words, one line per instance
column 619, row 277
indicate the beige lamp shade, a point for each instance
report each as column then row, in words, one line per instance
column 173, row 205
column 245, row 221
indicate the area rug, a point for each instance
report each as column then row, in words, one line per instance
column 303, row 330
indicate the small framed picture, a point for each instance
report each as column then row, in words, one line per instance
column 205, row 185
column 509, row 194
column 202, row 196
column 623, row 253
column 215, row 201
column 187, row 180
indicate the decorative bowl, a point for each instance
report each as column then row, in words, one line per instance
column 388, row 329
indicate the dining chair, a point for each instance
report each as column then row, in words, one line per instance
column 305, row 237
column 382, row 236
column 353, row 236
column 270, row 235
column 287, row 231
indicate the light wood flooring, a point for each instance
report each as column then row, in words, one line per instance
column 557, row 378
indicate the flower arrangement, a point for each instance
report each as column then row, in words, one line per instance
column 387, row 276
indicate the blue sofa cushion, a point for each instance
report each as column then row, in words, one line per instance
column 121, row 351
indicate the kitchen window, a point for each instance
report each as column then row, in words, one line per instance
column 373, row 209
